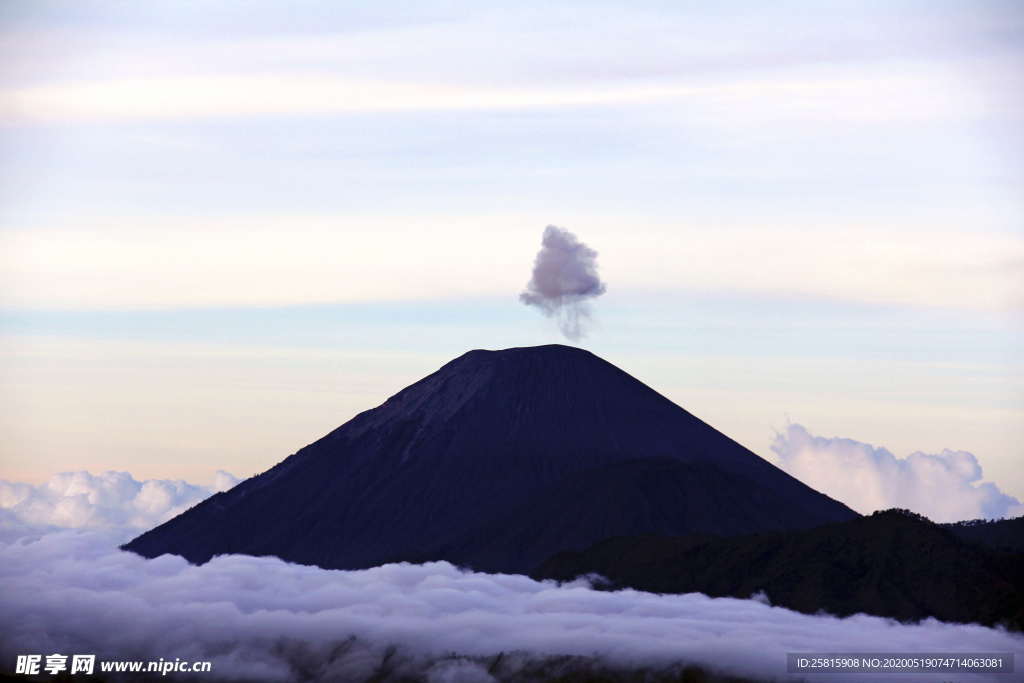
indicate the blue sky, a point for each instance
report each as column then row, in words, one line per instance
column 227, row 227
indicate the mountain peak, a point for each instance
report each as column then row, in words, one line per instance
column 524, row 354
column 540, row 348
column 497, row 460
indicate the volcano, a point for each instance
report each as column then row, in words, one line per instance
column 497, row 461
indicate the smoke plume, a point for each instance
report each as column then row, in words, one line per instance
column 564, row 279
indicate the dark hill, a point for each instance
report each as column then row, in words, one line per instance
column 496, row 461
column 998, row 534
column 893, row 564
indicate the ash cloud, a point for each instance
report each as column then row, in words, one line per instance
column 564, row 280
column 945, row 487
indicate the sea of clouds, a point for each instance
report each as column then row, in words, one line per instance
column 72, row 591
column 264, row 619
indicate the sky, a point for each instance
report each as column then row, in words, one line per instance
column 226, row 228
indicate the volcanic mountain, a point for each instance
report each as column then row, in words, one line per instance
column 497, row 461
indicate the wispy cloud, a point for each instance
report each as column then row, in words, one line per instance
column 908, row 97
column 852, row 64
column 276, row 94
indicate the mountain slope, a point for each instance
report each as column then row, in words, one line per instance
column 892, row 564
column 1006, row 535
column 497, row 440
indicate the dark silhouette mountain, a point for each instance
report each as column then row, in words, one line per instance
column 893, row 564
column 998, row 534
column 496, row 461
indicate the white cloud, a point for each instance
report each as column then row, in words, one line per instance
column 259, row 618
column 80, row 500
column 945, row 487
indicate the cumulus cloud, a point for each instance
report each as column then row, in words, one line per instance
column 945, row 487
column 564, row 279
column 79, row 500
column 259, row 618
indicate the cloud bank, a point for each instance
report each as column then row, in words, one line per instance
column 72, row 591
column 945, row 487
column 564, row 279
column 80, row 500
column 258, row 618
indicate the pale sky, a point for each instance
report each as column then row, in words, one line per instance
column 226, row 227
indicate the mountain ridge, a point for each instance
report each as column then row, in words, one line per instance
column 892, row 563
